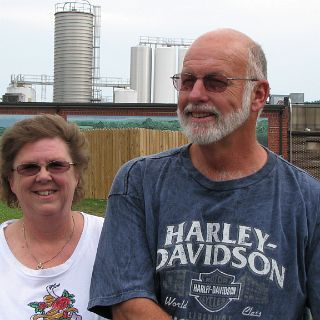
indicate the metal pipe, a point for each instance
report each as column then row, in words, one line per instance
column 290, row 129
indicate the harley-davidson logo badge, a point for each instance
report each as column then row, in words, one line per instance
column 215, row 290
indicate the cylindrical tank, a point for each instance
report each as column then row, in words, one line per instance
column 28, row 93
column 164, row 68
column 125, row 96
column 140, row 72
column 181, row 53
column 73, row 52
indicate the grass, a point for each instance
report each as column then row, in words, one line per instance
column 92, row 206
column 96, row 207
column 8, row 213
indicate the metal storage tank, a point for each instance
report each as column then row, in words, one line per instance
column 125, row 96
column 140, row 72
column 181, row 53
column 164, row 68
column 73, row 52
column 297, row 97
column 28, row 93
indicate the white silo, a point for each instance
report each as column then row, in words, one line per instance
column 181, row 53
column 164, row 68
column 140, row 72
column 26, row 91
column 125, row 96
column 73, row 52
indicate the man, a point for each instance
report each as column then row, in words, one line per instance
column 219, row 229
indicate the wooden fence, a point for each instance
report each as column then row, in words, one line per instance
column 110, row 148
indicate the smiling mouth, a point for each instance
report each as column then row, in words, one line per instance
column 45, row 193
column 201, row 115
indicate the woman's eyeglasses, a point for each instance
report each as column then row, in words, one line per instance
column 212, row 82
column 32, row 168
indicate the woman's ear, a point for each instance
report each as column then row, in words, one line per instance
column 10, row 180
column 260, row 95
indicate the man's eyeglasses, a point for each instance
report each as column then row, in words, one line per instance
column 212, row 82
column 32, row 168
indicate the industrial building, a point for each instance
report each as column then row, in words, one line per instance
column 77, row 64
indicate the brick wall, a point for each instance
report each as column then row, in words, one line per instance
column 277, row 129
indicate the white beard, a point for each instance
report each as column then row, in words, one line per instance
column 206, row 133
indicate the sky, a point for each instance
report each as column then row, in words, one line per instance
column 287, row 30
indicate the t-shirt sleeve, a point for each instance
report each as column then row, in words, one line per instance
column 313, row 263
column 123, row 267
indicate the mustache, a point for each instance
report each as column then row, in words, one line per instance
column 191, row 107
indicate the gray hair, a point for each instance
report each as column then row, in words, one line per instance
column 257, row 62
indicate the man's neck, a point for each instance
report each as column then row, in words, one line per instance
column 220, row 162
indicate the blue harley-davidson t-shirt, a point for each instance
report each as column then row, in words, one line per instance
column 239, row 249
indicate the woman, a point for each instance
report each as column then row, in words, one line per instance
column 46, row 257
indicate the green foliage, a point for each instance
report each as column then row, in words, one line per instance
column 262, row 131
column 2, row 130
column 316, row 101
column 147, row 123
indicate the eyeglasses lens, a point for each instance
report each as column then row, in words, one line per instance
column 187, row 82
column 213, row 83
column 58, row 166
column 30, row 169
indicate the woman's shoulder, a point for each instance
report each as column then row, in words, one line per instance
column 8, row 224
column 93, row 221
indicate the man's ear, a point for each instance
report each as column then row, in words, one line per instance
column 260, row 95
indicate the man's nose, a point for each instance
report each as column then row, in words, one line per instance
column 198, row 92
